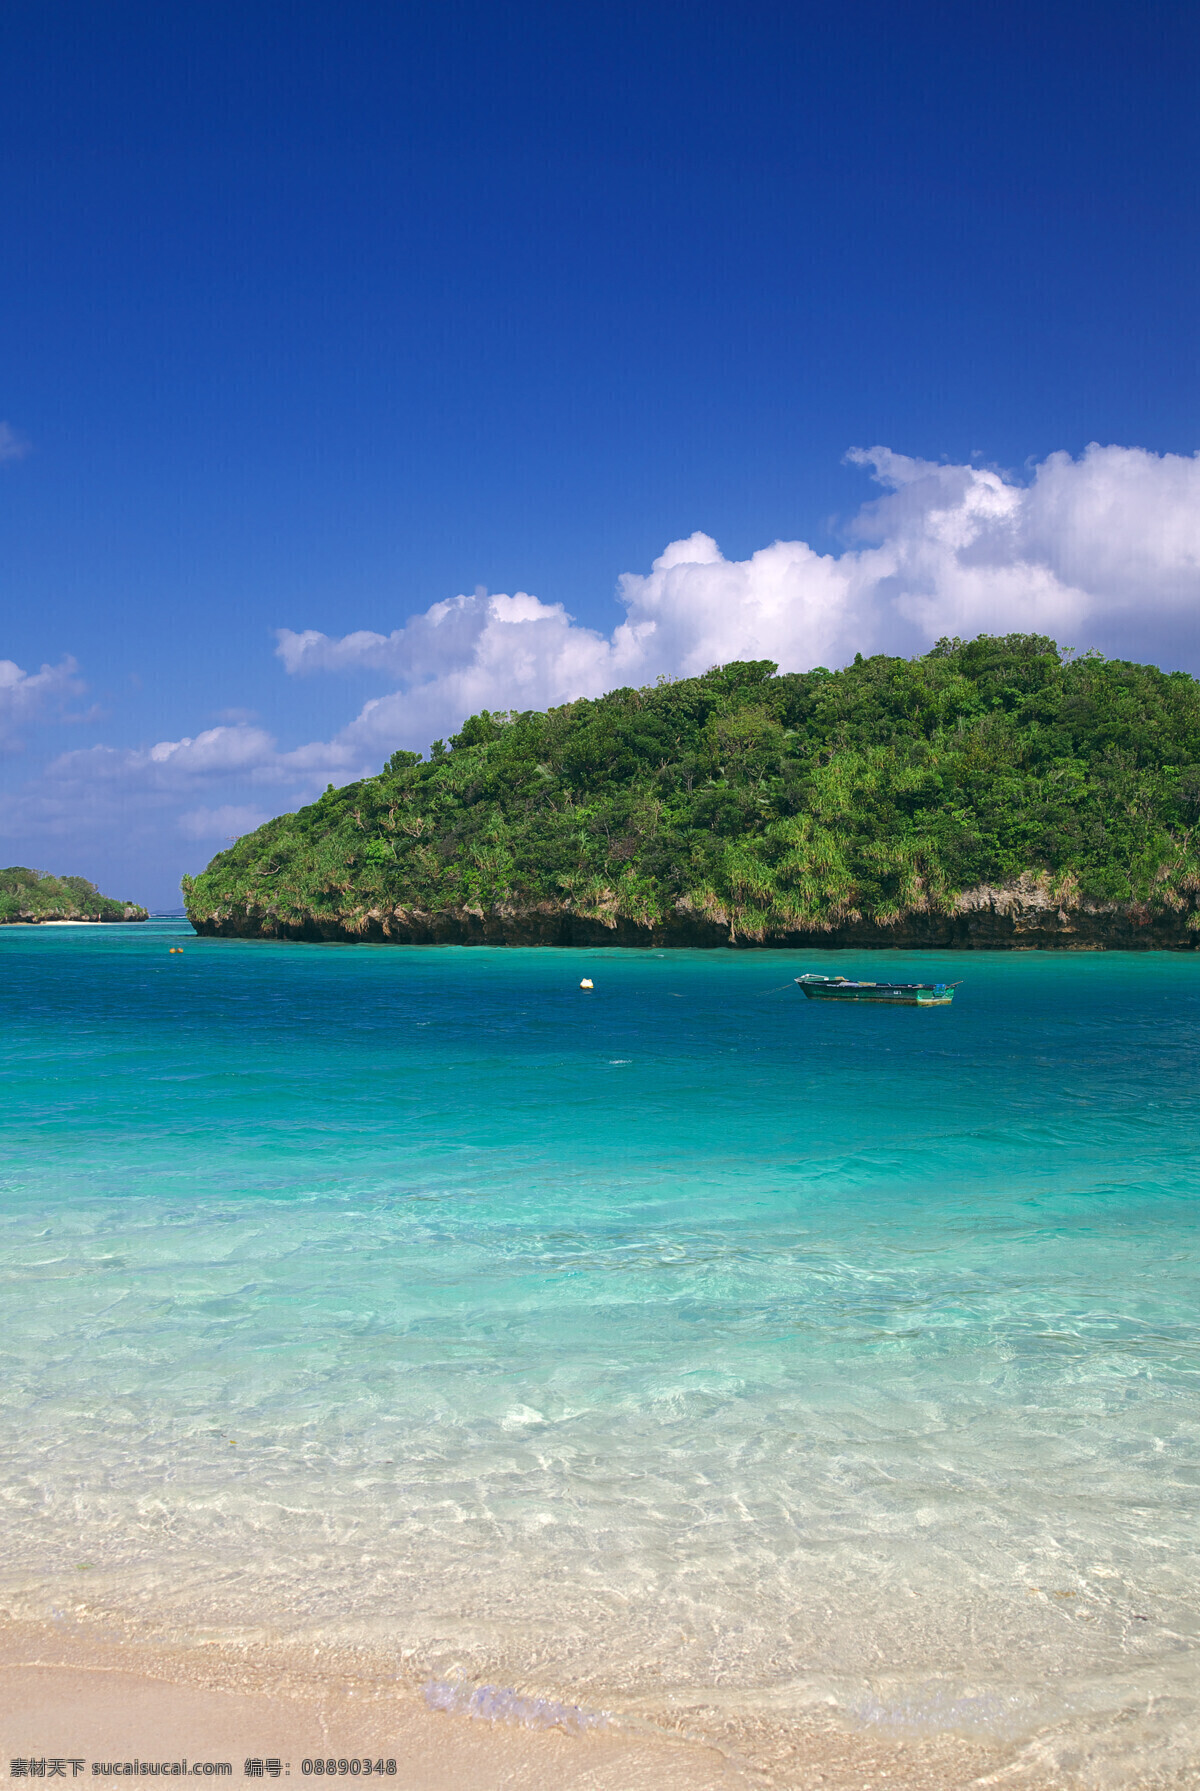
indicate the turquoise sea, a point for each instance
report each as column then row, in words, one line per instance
column 680, row 1344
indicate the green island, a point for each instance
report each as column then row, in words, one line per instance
column 993, row 792
column 31, row 896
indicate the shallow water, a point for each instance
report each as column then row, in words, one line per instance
column 679, row 1342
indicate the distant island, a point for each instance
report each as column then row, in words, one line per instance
column 989, row 793
column 35, row 896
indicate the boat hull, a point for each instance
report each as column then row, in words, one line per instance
column 882, row 994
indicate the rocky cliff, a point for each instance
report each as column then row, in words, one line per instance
column 1022, row 915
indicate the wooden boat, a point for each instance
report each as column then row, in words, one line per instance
column 839, row 988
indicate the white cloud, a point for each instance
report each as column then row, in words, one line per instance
column 12, row 445
column 1092, row 550
column 169, row 765
column 30, row 696
column 463, row 655
column 178, row 768
column 1099, row 545
column 220, row 783
column 1103, row 549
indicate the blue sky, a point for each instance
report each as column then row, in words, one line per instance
column 324, row 318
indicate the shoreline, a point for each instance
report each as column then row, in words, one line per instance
column 711, row 1414
column 100, row 920
column 102, row 1693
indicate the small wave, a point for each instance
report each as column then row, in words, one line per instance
column 500, row 1704
column 934, row 1710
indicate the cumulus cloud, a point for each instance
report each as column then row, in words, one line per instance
column 465, row 654
column 1099, row 550
column 1098, row 544
column 1093, row 550
column 31, row 696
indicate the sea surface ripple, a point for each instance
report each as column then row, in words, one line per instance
column 679, row 1344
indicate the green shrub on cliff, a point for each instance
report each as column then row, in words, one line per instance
column 36, row 895
column 766, row 802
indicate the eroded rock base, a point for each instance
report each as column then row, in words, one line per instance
column 1012, row 919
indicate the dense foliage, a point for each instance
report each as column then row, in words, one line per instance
column 36, row 895
column 767, row 801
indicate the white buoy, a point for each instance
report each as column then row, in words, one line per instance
column 587, row 983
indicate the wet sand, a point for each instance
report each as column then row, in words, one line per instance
column 66, row 1695
column 111, row 1715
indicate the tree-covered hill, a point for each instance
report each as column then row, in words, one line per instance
column 898, row 800
column 27, row 895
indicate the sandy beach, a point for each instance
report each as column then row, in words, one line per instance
column 68, row 1694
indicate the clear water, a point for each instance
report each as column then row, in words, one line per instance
column 680, row 1343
